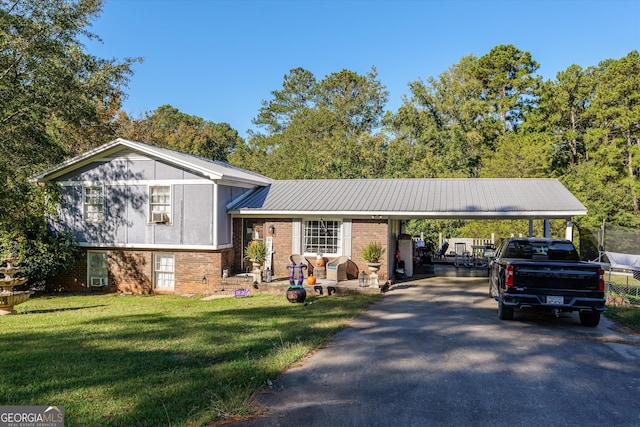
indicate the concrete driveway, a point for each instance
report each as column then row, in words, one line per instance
column 434, row 353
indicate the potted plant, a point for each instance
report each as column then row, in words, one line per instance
column 372, row 253
column 256, row 252
column 319, row 260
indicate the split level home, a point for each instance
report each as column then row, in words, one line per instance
column 149, row 219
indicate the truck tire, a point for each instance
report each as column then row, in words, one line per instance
column 505, row 312
column 589, row 318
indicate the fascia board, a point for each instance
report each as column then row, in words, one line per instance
column 156, row 246
column 75, row 163
column 394, row 214
column 115, row 146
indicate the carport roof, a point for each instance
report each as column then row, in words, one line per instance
column 490, row 198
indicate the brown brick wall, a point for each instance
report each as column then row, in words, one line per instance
column 281, row 245
column 74, row 279
column 132, row 271
column 364, row 231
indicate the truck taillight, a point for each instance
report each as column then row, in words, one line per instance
column 509, row 279
column 601, row 280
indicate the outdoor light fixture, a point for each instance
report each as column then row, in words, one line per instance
column 272, row 229
column 362, row 279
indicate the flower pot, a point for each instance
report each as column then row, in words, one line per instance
column 374, row 266
column 320, row 262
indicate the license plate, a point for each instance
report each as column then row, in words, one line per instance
column 555, row 300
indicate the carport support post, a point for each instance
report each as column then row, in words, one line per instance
column 547, row 228
column 530, row 227
column 568, row 233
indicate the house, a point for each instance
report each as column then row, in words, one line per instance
column 149, row 219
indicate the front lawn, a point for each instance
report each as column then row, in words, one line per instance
column 158, row 360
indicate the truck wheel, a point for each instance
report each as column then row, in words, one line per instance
column 504, row 311
column 589, row 318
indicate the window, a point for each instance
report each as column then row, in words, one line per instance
column 163, row 271
column 160, row 204
column 93, row 204
column 97, row 269
column 322, row 236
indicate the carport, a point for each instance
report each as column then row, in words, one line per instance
column 362, row 205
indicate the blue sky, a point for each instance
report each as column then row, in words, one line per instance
column 219, row 59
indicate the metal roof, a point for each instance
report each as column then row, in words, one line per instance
column 212, row 169
column 413, row 198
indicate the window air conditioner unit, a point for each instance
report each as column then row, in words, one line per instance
column 159, row 217
column 98, row 282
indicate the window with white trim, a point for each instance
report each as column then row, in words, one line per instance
column 97, row 268
column 322, row 236
column 164, row 271
column 160, row 204
column 93, row 204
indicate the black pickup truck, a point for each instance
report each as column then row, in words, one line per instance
column 545, row 274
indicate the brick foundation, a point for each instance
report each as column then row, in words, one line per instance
column 132, row 271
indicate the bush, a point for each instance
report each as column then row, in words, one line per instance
column 41, row 253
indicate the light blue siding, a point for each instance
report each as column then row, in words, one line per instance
column 126, row 180
column 198, row 212
column 165, row 171
column 137, row 215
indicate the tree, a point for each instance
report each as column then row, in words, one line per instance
column 297, row 94
column 47, row 81
column 170, row 128
column 52, row 95
column 561, row 114
column 319, row 129
column 520, row 155
column 443, row 129
column 508, row 84
column 615, row 111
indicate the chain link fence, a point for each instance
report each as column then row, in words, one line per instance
column 622, row 288
column 622, row 285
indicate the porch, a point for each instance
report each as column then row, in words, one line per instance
column 232, row 284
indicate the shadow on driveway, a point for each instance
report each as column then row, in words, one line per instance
column 433, row 352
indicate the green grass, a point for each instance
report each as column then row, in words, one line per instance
column 628, row 316
column 158, row 360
